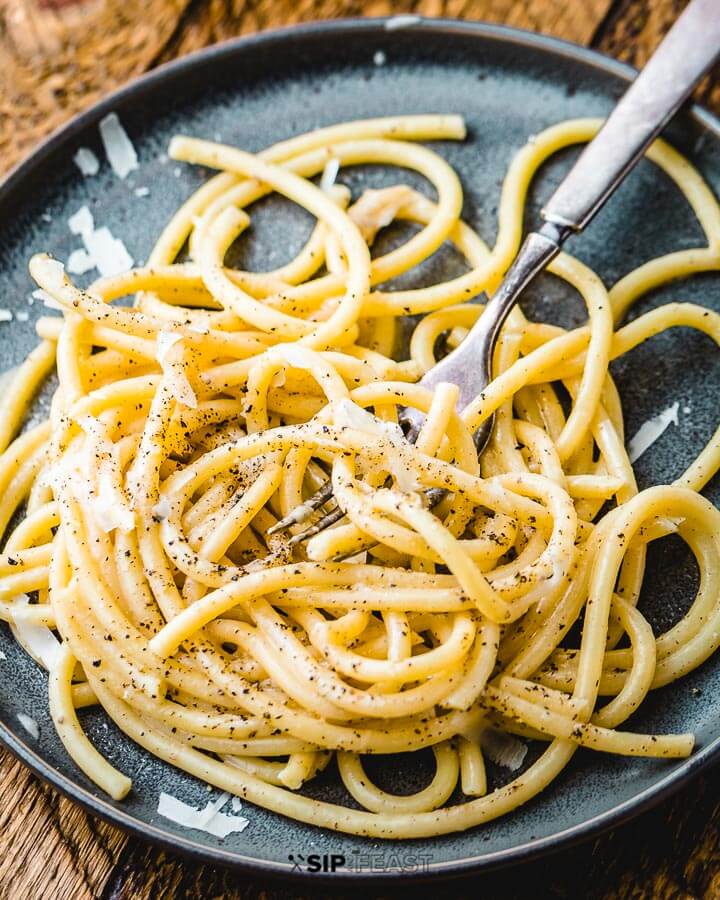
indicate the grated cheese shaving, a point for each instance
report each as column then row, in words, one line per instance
column 330, row 173
column 110, row 509
column 86, row 161
column 81, row 221
column 161, row 510
column 102, row 251
column 164, row 341
column 395, row 22
column 118, row 146
column 208, row 819
column 110, row 254
column 39, row 640
column 214, row 806
column 29, row 724
column 650, row 431
column 79, row 262
column 347, row 414
column 173, row 370
column 503, row 749
column 376, row 209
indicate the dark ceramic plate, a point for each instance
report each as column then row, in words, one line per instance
column 508, row 85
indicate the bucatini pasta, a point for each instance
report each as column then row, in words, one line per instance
column 184, row 426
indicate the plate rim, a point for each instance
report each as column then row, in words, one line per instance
column 188, row 847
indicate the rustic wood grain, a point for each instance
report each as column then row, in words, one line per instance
column 216, row 20
column 635, row 27
column 58, row 56
column 50, row 847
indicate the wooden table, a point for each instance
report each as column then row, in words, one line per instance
column 58, row 56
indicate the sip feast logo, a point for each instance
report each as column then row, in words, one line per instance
column 316, row 862
column 360, row 861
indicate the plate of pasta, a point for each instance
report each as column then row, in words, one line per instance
column 222, row 283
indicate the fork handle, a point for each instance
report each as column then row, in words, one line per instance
column 686, row 53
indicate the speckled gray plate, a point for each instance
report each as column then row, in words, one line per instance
column 508, row 85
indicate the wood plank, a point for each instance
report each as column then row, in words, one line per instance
column 56, row 59
column 59, row 56
column 207, row 23
column 634, row 29
column 50, row 847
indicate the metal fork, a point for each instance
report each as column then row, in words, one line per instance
column 686, row 53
